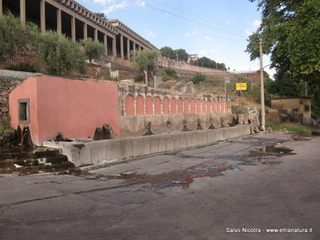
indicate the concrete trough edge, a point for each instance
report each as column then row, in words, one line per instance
column 106, row 152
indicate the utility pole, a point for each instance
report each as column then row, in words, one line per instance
column 305, row 89
column 202, row 69
column 226, row 79
column 263, row 113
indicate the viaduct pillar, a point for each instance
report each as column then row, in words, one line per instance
column 1, row 8
column 43, row 15
column 22, row 11
column 59, row 25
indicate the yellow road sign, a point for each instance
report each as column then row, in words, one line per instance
column 241, row 86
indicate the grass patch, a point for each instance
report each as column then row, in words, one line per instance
column 290, row 127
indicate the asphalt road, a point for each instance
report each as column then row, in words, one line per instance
column 239, row 189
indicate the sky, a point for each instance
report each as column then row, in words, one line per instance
column 217, row 29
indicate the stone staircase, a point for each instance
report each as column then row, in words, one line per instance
column 14, row 159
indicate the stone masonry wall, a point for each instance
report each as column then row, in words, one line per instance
column 167, row 109
column 8, row 81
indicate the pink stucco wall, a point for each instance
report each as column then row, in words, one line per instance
column 73, row 107
column 27, row 90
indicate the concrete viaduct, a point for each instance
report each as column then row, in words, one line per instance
column 77, row 22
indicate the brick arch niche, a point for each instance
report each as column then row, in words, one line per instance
column 157, row 105
column 149, row 106
column 129, row 105
column 166, row 103
column 192, row 106
column 180, row 106
column 186, row 105
column 140, row 105
column 173, row 103
column 198, row 102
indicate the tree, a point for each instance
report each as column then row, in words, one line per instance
column 208, row 63
column 169, row 74
column 181, row 55
column 15, row 37
column 146, row 61
column 198, row 78
column 59, row 55
column 290, row 30
column 167, row 52
column 93, row 49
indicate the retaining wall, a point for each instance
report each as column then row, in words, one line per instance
column 8, row 81
column 166, row 109
column 95, row 152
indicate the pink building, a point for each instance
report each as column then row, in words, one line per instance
column 49, row 105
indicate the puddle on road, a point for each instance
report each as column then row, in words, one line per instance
column 169, row 179
column 263, row 155
column 270, row 154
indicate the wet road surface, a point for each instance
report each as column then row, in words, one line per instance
column 223, row 191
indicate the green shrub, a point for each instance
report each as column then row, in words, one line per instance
column 26, row 67
column 59, row 55
column 15, row 37
column 169, row 74
column 146, row 61
column 239, row 109
column 93, row 50
column 198, row 78
column 291, row 127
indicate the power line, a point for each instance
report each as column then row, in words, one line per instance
column 194, row 13
column 191, row 20
column 178, row 27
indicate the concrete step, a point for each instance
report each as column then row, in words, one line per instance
column 14, row 159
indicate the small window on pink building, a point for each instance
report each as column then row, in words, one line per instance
column 24, row 111
column 129, row 105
